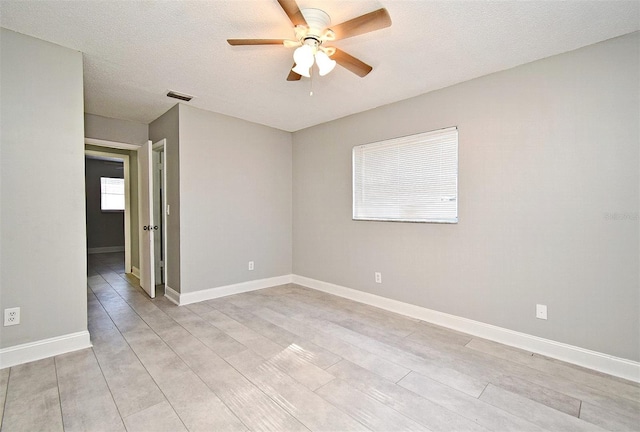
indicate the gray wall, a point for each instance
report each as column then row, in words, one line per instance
column 42, row 235
column 548, row 201
column 235, row 200
column 167, row 127
column 110, row 129
column 133, row 195
column 104, row 229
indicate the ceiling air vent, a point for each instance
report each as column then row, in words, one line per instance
column 181, row 96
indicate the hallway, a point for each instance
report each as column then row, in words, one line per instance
column 290, row 358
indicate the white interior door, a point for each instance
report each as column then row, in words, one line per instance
column 147, row 226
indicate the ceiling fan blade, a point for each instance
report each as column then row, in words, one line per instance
column 292, row 75
column 366, row 23
column 347, row 61
column 236, row 42
column 292, row 10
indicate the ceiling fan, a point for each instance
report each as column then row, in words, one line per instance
column 312, row 29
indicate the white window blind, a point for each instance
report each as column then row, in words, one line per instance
column 409, row 179
column 111, row 194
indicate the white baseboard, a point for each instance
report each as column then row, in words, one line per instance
column 612, row 365
column 222, row 291
column 171, row 294
column 135, row 271
column 105, row 249
column 38, row 350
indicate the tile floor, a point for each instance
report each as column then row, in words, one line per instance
column 293, row 359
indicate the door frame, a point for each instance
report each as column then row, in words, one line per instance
column 127, row 197
column 161, row 146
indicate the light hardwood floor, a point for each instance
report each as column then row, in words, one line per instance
column 292, row 359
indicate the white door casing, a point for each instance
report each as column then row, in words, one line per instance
column 159, row 210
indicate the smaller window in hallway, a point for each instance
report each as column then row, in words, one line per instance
column 111, row 194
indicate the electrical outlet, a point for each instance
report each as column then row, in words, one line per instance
column 541, row 311
column 378, row 277
column 251, row 266
column 11, row 316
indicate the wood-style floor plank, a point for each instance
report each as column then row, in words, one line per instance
column 289, row 358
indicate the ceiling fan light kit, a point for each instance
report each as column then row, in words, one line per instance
column 311, row 30
column 303, row 58
column 325, row 64
column 305, row 55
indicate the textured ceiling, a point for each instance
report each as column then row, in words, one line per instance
column 135, row 51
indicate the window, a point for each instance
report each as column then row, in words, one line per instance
column 111, row 194
column 408, row 179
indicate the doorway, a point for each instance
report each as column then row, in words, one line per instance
column 114, row 161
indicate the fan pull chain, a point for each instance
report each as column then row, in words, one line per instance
column 311, row 82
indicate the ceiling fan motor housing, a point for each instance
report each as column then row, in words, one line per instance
column 317, row 20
